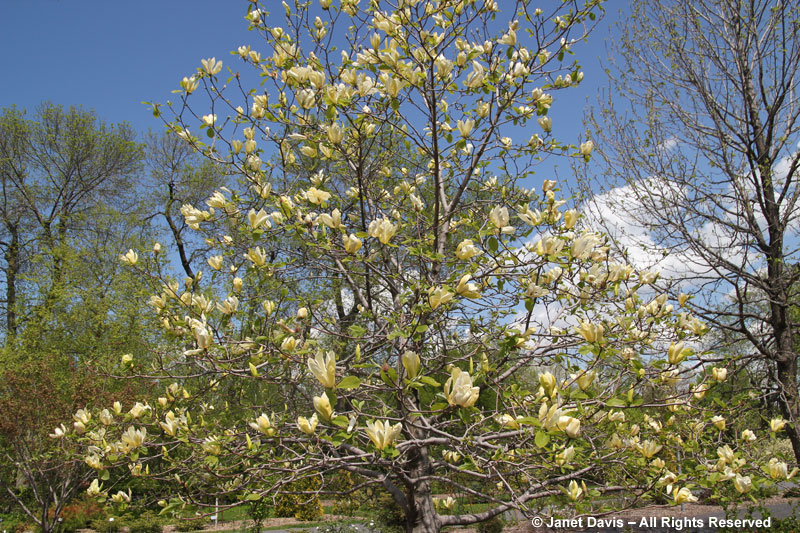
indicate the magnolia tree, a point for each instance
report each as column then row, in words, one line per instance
column 391, row 298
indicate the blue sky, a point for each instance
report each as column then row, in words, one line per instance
column 111, row 55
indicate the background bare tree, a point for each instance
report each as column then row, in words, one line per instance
column 698, row 138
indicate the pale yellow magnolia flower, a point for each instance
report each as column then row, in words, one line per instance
column 725, row 454
column 648, row 277
column 446, row 503
column 59, row 432
column 352, row 244
column 138, row 409
column 583, row 246
column 411, row 361
column 237, row 284
column 683, row 495
column 529, row 216
column 211, row 66
column 316, row 196
column 779, row 471
column 700, row 391
column 565, row 456
column 475, row 78
column 616, row 416
column 467, row 289
column 546, row 123
column 333, row 221
column 440, row 296
column 302, row 313
column 253, row 162
column 616, row 442
column 121, row 497
column 106, row 418
column 677, row 353
column 509, row 39
column 335, row 133
column 507, row 421
column 570, row 218
column 548, row 382
column 288, row 344
column 229, row 305
column 451, row 456
column 216, row 262
column 129, row 258
column 467, row 250
column 323, row 406
column 382, row 229
column 776, row 424
column 209, row 120
column 748, row 435
column 667, row 480
column 649, row 448
column 570, row 425
column 465, row 127
column 742, row 484
column 95, row 488
column 591, row 332
column 258, row 219
column 307, row 425
column 719, row 422
column 323, row 367
column 586, row 148
column 499, row 218
column 585, row 379
column 133, row 438
column 382, row 434
column 189, row 84
column 257, row 255
column 170, row 424
column 217, row 200
column 719, row 373
column 211, row 445
column 458, row 389
column 202, row 336
column 574, row 491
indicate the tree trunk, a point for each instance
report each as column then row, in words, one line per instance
column 12, row 259
column 421, row 515
column 788, row 398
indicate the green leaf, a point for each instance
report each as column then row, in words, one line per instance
column 340, row 421
column 356, row 330
column 350, row 382
column 492, row 244
column 542, row 438
column 616, row 402
column 430, row 381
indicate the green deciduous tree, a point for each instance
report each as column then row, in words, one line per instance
column 69, row 205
